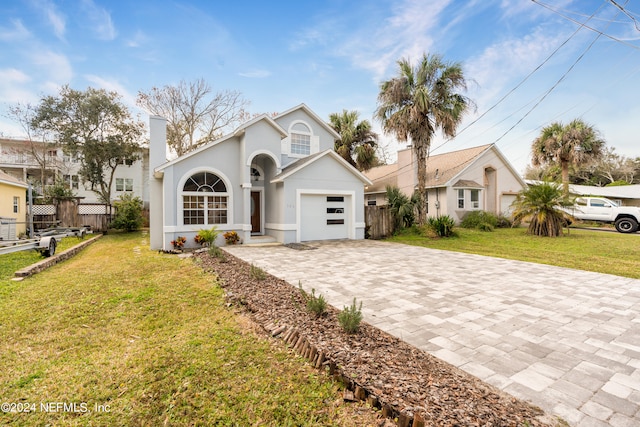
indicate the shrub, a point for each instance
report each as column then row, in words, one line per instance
column 207, row 237
column 315, row 304
column 479, row 220
column 216, row 252
column 350, row 317
column 442, row 226
column 503, row 222
column 179, row 242
column 231, row 237
column 401, row 206
column 128, row 213
column 257, row 273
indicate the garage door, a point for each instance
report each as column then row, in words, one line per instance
column 324, row 217
column 505, row 204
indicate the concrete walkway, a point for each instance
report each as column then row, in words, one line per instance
column 566, row 340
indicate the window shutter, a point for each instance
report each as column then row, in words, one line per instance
column 315, row 144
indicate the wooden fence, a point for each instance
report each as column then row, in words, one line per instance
column 71, row 214
column 379, row 221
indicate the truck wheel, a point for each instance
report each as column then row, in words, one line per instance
column 51, row 249
column 627, row 225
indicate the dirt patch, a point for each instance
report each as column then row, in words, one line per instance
column 404, row 382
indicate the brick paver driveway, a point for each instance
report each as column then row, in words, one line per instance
column 566, row 340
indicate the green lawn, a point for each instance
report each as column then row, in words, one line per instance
column 135, row 337
column 10, row 263
column 599, row 251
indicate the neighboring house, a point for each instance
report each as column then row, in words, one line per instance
column 272, row 179
column 17, row 159
column 478, row 178
column 13, row 193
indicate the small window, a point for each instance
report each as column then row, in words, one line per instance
column 124, row 184
column 16, row 204
column 371, row 200
column 335, row 221
column 335, row 210
column 475, row 199
column 335, row 199
column 300, row 144
column 460, row 199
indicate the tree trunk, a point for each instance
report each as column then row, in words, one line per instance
column 421, row 149
column 565, row 178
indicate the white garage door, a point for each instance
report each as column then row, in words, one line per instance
column 505, row 204
column 324, row 217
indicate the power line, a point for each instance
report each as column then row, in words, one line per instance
column 556, row 11
column 622, row 9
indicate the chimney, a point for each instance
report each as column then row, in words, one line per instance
column 157, row 157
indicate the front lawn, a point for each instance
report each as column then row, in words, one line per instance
column 599, row 251
column 10, row 263
column 121, row 335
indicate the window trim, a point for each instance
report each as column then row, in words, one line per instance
column 16, row 204
column 181, row 193
column 313, row 140
column 460, row 199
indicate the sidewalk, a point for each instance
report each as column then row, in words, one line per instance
column 566, row 340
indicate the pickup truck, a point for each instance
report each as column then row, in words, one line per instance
column 625, row 218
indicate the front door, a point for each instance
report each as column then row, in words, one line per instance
column 255, row 213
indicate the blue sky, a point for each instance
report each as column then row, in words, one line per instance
column 333, row 55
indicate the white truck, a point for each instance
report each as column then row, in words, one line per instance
column 625, row 218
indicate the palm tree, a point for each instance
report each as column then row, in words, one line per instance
column 401, row 206
column 540, row 205
column 419, row 101
column 574, row 144
column 357, row 143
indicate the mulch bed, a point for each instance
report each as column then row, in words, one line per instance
column 405, row 383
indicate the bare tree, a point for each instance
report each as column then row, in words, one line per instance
column 195, row 115
column 40, row 143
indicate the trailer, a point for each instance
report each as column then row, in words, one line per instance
column 44, row 241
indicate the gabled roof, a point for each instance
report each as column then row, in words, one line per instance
column 317, row 118
column 5, row 178
column 381, row 176
column 466, row 183
column 300, row 164
column 237, row 132
column 442, row 169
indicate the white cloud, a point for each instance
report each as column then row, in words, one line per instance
column 138, row 39
column 53, row 16
column 495, row 67
column 18, row 32
column 13, row 75
column 406, row 33
column 256, row 74
column 13, row 86
column 55, row 65
column 100, row 20
column 112, row 85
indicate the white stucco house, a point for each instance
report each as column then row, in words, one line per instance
column 477, row 178
column 273, row 178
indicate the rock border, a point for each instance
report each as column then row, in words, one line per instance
column 48, row 262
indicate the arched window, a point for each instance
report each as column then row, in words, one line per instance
column 204, row 199
column 300, row 139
